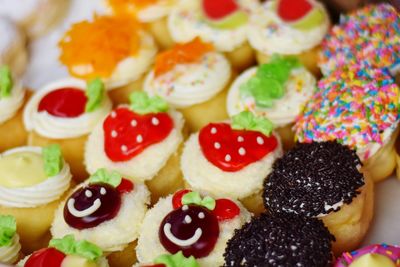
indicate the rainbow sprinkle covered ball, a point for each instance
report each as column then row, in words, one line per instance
column 369, row 36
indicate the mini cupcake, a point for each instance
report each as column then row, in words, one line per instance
column 322, row 180
column 192, row 77
column 65, row 112
column 9, row 240
column 187, row 222
column 141, row 142
column 276, row 90
column 116, row 49
column 382, row 255
column 289, row 28
column 152, row 13
column 167, row 260
column 280, row 241
column 223, row 23
column 360, row 108
column 369, row 36
column 232, row 159
column 12, row 98
column 36, row 17
column 106, row 210
column 33, row 181
column 66, row 252
column 13, row 50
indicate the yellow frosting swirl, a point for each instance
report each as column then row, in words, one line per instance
column 372, row 260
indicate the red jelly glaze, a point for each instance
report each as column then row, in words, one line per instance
column 222, row 147
column 292, row 10
column 110, row 205
column 126, row 133
column 64, row 103
column 45, row 257
column 225, row 209
column 200, row 218
column 125, row 186
column 177, row 198
column 218, row 9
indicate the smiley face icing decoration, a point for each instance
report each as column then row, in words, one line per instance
column 188, row 223
column 106, row 210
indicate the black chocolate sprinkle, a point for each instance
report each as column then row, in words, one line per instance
column 310, row 176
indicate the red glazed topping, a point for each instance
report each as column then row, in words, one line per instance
column 91, row 205
column 126, row 133
column 64, row 103
column 192, row 229
column 218, row 9
column 231, row 150
column 45, row 257
column 292, row 10
column 125, row 186
column 226, row 209
column 177, row 198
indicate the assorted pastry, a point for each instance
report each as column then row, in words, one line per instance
column 167, row 145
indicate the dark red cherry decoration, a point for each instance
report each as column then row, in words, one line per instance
column 64, row 103
column 125, row 186
column 192, row 229
column 126, row 133
column 293, row 10
column 91, row 205
column 177, row 198
column 218, row 9
column 45, row 257
column 225, row 209
column 232, row 150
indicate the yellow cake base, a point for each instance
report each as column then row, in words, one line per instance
column 13, row 133
column 159, row 30
column 242, row 57
column 120, row 95
column 124, row 258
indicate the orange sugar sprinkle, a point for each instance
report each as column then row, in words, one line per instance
column 98, row 46
column 130, row 6
column 180, row 54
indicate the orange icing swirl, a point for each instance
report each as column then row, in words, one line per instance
column 130, row 6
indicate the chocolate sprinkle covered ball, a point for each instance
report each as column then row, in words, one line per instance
column 313, row 180
column 280, row 241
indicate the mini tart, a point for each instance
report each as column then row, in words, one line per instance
column 280, row 241
column 272, row 32
column 9, row 244
column 368, row 36
column 108, row 215
column 196, row 230
column 373, row 255
column 187, row 21
column 116, row 49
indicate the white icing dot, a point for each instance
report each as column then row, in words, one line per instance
column 185, row 207
column 124, row 148
column 88, row 193
column 103, row 191
column 201, row 215
column 188, row 219
column 240, row 139
column 242, row 151
column 133, row 123
column 228, row 157
column 260, row 140
column 114, row 133
column 113, row 114
column 155, row 121
column 213, row 130
column 139, row 138
column 217, row 145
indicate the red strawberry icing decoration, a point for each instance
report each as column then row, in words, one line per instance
column 46, row 257
column 293, row 10
column 64, row 103
column 218, row 9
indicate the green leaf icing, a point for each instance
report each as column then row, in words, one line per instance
column 195, row 198
column 232, row 21
column 246, row 120
column 69, row 246
column 268, row 84
column 8, row 228
column 6, row 81
column 176, row 260
column 141, row 103
column 103, row 176
column 94, row 93
column 53, row 160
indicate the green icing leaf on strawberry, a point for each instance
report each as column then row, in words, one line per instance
column 94, row 93
column 6, row 81
column 8, row 228
column 246, row 120
column 142, row 103
column 176, row 260
column 69, row 246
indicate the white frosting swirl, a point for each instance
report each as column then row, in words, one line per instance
column 40, row 194
column 298, row 89
column 189, row 84
column 10, row 105
column 9, row 254
column 268, row 34
column 53, row 127
column 186, row 22
column 156, row 11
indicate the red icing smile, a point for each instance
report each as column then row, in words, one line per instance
column 126, row 133
column 45, row 257
column 231, row 150
column 64, row 103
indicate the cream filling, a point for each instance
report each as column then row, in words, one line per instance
column 298, row 89
column 40, row 194
column 143, row 166
column 53, row 127
column 10, row 105
column 9, row 254
column 189, row 84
